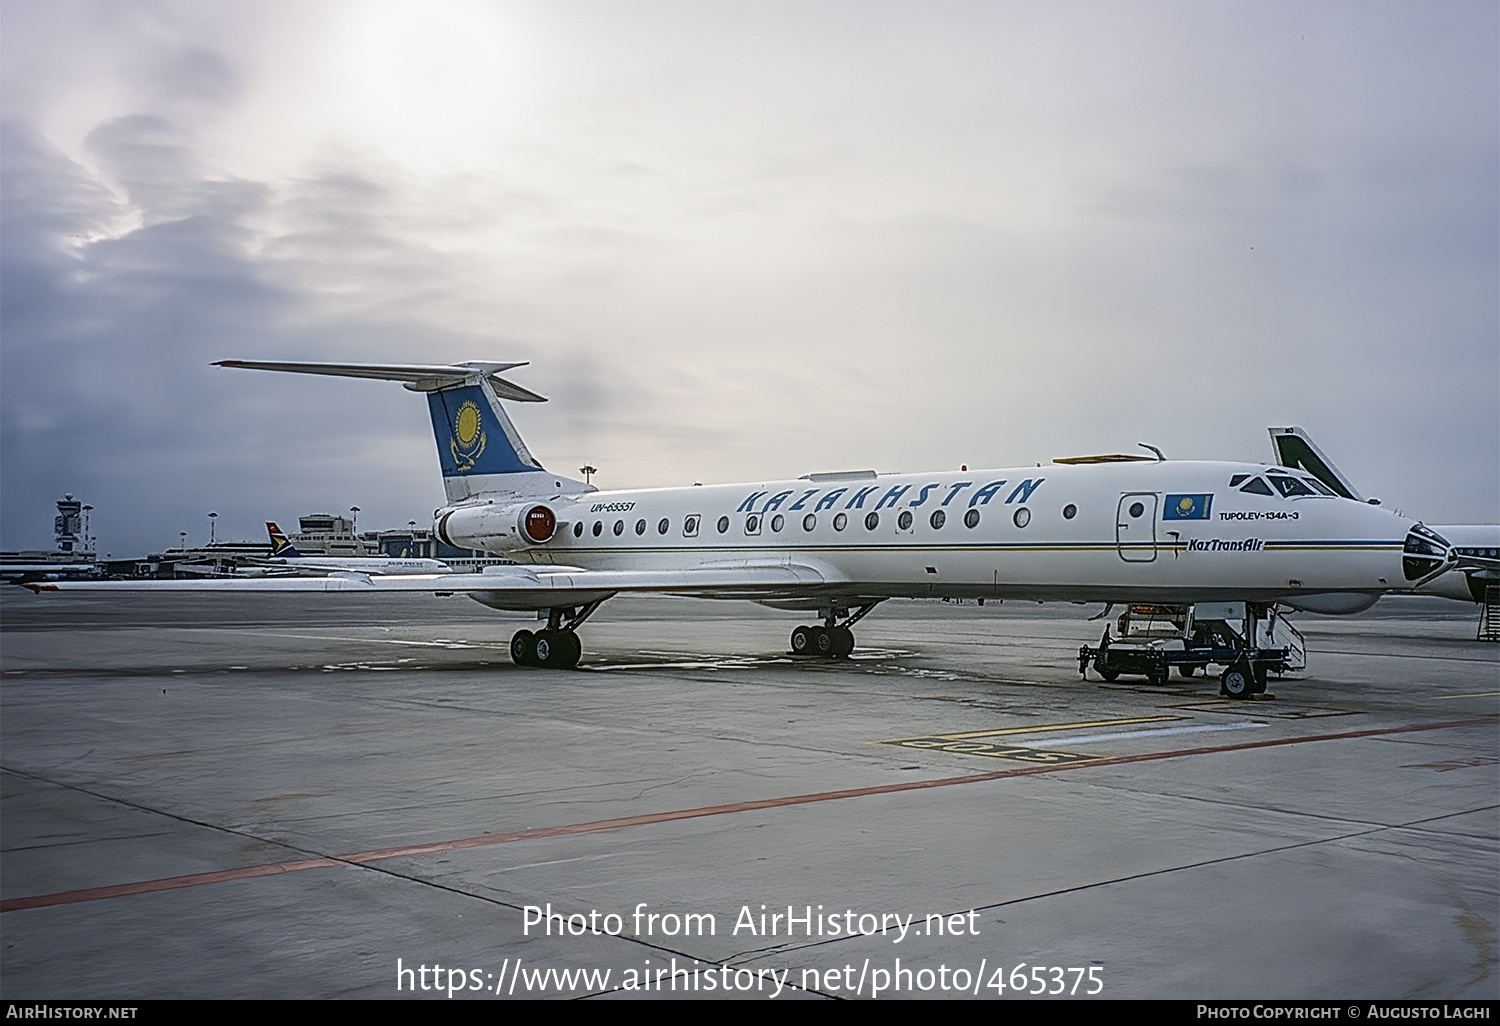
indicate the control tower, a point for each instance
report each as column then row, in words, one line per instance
column 72, row 535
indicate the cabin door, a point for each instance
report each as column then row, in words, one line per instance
column 1135, row 527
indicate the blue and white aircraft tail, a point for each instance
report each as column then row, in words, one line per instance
column 479, row 450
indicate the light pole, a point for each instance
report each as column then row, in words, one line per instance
column 88, row 545
column 212, row 522
column 587, row 472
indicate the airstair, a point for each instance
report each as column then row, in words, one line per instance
column 1276, row 631
column 1489, row 615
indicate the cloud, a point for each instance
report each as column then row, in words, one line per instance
column 739, row 245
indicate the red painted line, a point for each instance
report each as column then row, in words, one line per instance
column 598, row 826
column 170, row 883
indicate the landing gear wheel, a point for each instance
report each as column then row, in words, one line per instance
column 1238, row 681
column 549, row 649
column 823, row 640
column 572, row 649
column 802, row 641
column 843, row 640
column 523, row 648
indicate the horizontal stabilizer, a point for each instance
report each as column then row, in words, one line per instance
column 419, row 377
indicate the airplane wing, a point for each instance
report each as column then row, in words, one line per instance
column 505, row 587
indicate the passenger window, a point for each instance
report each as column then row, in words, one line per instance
column 690, row 526
column 723, row 524
column 1257, row 487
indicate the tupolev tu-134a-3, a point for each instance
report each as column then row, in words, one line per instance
column 1114, row 529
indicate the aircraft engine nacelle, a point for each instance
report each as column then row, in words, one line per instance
column 490, row 527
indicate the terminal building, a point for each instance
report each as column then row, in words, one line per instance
column 327, row 534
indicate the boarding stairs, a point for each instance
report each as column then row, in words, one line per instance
column 1276, row 631
column 1489, row 615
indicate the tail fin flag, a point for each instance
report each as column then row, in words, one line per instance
column 474, row 436
column 280, row 544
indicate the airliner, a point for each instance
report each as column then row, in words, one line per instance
column 1112, row 528
column 1294, row 448
column 285, row 554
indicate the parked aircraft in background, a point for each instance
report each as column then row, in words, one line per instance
column 1477, row 544
column 285, row 554
column 1113, row 528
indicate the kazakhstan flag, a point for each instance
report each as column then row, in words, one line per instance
column 1187, row 507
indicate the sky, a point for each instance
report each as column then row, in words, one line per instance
column 738, row 242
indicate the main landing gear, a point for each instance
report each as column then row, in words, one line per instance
column 833, row 638
column 555, row 647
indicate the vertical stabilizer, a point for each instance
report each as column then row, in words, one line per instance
column 281, row 545
column 1295, row 449
column 480, row 450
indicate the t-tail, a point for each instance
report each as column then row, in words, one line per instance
column 479, row 449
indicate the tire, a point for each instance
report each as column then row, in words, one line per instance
column 572, row 650
column 1108, row 672
column 843, row 641
column 823, row 641
column 1237, row 681
column 1187, row 671
column 548, row 651
column 802, row 641
column 1156, row 674
column 523, row 648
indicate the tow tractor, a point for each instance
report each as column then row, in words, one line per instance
column 1247, row 639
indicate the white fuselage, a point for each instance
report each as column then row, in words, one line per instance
column 1097, row 532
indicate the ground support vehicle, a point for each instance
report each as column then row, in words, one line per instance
column 1240, row 637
